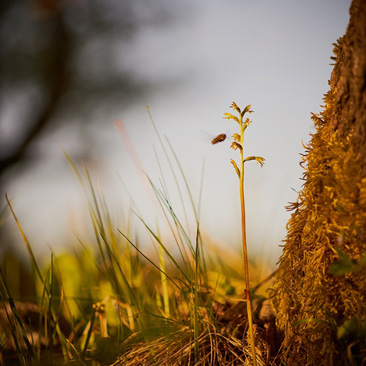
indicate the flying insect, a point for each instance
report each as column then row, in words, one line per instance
column 219, row 138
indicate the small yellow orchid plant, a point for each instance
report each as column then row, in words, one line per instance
column 238, row 145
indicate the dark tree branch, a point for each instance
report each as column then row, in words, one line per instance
column 57, row 82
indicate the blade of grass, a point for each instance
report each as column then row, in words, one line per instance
column 91, row 211
column 14, row 334
column 164, row 202
column 33, row 261
column 176, row 264
column 177, row 230
column 17, row 320
column 170, row 165
column 189, row 193
column 113, row 259
column 196, row 284
column 184, row 178
column 88, row 335
column 150, row 261
column 163, row 278
column 164, row 185
column 30, row 251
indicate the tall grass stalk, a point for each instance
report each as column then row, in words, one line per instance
column 170, row 165
column 16, row 326
column 164, row 282
column 47, row 293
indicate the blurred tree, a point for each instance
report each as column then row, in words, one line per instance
column 61, row 59
column 61, row 63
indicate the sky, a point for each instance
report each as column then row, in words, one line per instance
column 274, row 55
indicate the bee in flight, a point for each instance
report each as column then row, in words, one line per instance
column 219, row 138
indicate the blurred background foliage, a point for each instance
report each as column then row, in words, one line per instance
column 68, row 69
column 62, row 63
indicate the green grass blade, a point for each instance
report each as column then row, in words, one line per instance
column 94, row 216
column 196, row 320
column 170, row 166
column 164, row 202
column 90, row 331
column 164, row 185
column 176, row 264
column 27, row 244
column 113, row 259
column 185, row 179
column 150, row 261
column 13, row 333
column 17, row 319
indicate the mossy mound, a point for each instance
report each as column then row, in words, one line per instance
column 320, row 290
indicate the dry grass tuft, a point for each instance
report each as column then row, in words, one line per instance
column 221, row 342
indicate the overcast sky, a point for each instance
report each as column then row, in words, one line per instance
column 274, row 55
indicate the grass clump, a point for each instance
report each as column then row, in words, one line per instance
column 114, row 303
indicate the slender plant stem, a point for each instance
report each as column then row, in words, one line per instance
column 245, row 251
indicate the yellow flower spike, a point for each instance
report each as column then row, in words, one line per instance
column 238, row 145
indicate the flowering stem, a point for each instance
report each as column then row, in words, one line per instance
column 245, row 251
column 238, row 145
